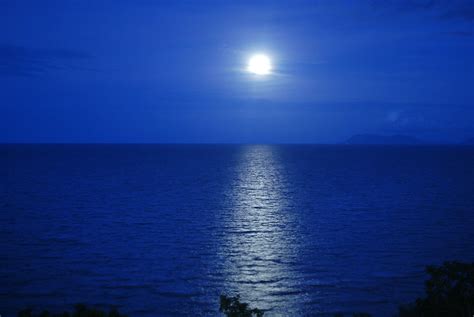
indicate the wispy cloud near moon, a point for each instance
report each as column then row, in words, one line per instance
column 25, row 61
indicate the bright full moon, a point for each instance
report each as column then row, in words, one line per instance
column 259, row 65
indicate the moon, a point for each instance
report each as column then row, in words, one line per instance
column 259, row 64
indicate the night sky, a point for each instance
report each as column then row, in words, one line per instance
column 175, row 71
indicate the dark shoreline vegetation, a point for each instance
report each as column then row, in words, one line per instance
column 449, row 292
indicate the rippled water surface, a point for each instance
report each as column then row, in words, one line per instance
column 163, row 230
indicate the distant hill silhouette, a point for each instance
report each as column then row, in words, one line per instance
column 382, row 139
column 469, row 141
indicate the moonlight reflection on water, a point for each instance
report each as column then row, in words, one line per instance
column 261, row 239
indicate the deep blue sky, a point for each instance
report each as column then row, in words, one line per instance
column 174, row 71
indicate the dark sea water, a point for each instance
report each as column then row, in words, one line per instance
column 163, row 230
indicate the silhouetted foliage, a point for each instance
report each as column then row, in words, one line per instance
column 449, row 292
column 353, row 315
column 80, row 310
column 232, row 307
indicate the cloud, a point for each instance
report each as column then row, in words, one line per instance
column 463, row 10
column 450, row 10
column 462, row 33
column 448, row 122
column 25, row 61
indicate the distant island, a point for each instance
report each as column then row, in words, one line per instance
column 382, row 139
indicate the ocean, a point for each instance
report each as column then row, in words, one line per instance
column 163, row 230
